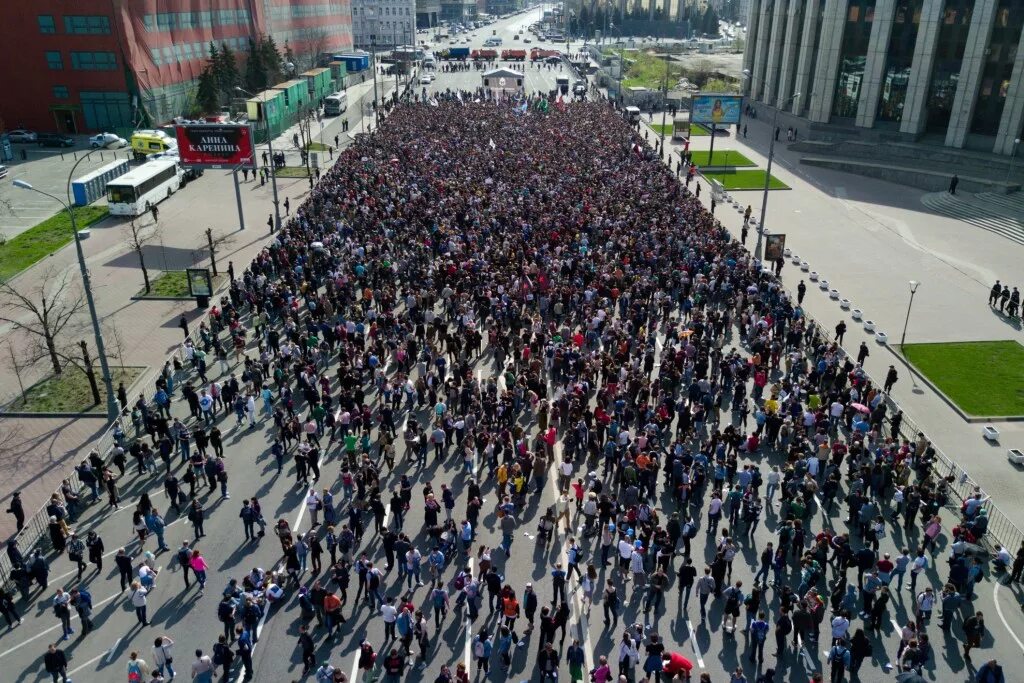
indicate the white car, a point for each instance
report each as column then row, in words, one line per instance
column 21, row 135
column 425, row 80
column 108, row 140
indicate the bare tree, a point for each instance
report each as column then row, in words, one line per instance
column 43, row 313
column 138, row 236
column 214, row 243
column 315, row 46
column 116, row 343
column 18, row 366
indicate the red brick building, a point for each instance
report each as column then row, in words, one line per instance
column 93, row 65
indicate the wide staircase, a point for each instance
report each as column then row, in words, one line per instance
column 999, row 213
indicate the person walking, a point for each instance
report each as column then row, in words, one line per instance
column 199, row 566
column 56, row 663
column 137, row 668
column 163, row 656
column 138, row 598
column 974, row 631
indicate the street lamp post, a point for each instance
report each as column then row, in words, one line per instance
column 270, row 150
column 664, row 100
column 914, row 284
column 1013, row 157
column 768, row 176
column 108, row 383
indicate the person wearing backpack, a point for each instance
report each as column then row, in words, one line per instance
column 482, row 648
column 839, row 659
column 690, row 529
column 137, row 668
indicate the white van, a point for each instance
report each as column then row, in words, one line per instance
column 632, row 114
column 336, row 104
column 493, row 41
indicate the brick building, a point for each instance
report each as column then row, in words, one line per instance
column 98, row 65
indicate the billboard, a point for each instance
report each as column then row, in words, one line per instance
column 219, row 145
column 774, row 246
column 716, row 108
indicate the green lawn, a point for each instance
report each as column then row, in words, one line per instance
column 292, row 172
column 70, row 392
column 695, row 129
column 317, row 147
column 983, row 378
column 744, row 180
column 723, row 157
column 658, row 128
column 172, row 283
column 38, row 242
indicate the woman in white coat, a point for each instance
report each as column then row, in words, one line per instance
column 162, row 656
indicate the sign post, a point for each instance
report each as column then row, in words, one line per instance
column 216, row 145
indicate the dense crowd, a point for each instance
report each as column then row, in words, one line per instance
column 537, row 293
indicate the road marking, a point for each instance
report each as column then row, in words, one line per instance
column 110, row 652
column 54, row 627
column 696, row 645
column 277, row 567
column 999, row 611
column 355, row 665
column 468, row 653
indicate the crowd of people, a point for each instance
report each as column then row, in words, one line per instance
column 536, row 295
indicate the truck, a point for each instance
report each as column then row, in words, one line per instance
column 354, row 62
column 540, row 53
column 562, row 84
column 484, row 54
column 456, row 53
column 513, row 55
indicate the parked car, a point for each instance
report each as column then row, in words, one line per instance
column 424, row 80
column 54, row 140
column 3, row 171
column 108, row 140
column 21, row 135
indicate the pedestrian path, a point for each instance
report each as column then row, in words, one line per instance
column 998, row 213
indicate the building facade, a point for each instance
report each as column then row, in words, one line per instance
column 457, row 11
column 383, row 24
column 428, row 13
column 94, row 65
column 946, row 72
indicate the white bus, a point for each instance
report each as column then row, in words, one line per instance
column 136, row 191
column 336, row 104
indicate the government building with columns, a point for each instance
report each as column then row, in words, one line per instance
column 941, row 72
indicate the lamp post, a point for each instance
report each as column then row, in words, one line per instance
column 914, row 284
column 664, row 100
column 270, row 150
column 101, row 351
column 768, row 176
column 1013, row 157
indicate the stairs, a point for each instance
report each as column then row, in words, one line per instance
column 1001, row 214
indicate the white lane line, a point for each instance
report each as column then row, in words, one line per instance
column 355, row 666
column 110, row 652
column 468, row 650
column 696, row 645
column 999, row 611
column 277, row 567
column 54, row 627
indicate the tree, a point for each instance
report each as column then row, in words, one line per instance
column 207, row 94
column 255, row 69
column 43, row 313
column 316, row 45
column 271, row 58
column 213, row 245
column 289, row 56
column 709, row 22
column 137, row 236
column 227, row 76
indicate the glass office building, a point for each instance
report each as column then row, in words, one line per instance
column 945, row 72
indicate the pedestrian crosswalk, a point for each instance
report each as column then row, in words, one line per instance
column 998, row 213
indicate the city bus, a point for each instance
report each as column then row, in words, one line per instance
column 336, row 104
column 136, row 191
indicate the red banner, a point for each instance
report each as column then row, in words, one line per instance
column 215, row 145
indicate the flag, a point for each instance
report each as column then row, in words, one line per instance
column 560, row 104
column 433, row 102
column 491, row 143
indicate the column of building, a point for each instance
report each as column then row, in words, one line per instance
column 808, row 42
column 874, row 64
column 970, row 72
column 915, row 114
column 1013, row 111
column 794, row 18
column 764, row 33
column 823, row 84
column 753, row 31
column 771, row 77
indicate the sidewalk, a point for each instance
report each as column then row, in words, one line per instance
column 36, row 453
column 869, row 238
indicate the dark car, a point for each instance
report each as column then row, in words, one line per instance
column 54, row 140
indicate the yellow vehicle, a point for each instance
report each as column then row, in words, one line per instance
column 146, row 142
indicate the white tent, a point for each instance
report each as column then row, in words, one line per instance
column 501, row 82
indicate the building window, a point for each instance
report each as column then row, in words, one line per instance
column 898, row 60
column 46, row 24
column 154, row 52
column 949, row 55
column 60, row 92
column 53, row 60
column 852, row 57
column 999, row 58
column 105, row 110
column 93, row 61
column 89, row 24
